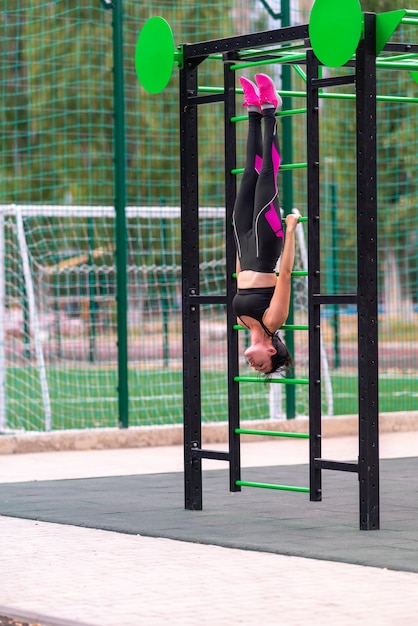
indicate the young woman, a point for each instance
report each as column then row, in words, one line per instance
column 262, row 300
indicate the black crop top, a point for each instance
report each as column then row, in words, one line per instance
column 253, row 303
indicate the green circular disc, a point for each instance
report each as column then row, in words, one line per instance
column 335, row 29
column 154, row 55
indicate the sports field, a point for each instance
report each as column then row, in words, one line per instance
column 99, row 405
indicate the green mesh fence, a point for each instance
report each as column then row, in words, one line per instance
column 58, row 344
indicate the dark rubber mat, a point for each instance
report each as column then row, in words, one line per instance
column 253, row 519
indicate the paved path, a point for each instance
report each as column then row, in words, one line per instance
column 63, row 575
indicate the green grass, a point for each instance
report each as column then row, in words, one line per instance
column 87, row 397
column 396, row 393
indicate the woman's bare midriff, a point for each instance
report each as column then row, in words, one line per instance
column 248, row 279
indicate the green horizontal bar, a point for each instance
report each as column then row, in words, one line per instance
column 409, row 20
column 291, row 112
column 243, row 118
column 401, row 57
column 238, row 118
column 394, row 65
column 270, row 433
column 284, row 327
column 246, row 483
column 325, row 96
column 294, row 327
column 288, row 58
column 288, row 166
column 285, row 381
column 411, row 12
column 292, row 59
column 397, row 98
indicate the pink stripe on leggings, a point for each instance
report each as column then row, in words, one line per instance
column 274, row 221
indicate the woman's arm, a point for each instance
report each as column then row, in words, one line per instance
column 237, row 271
column 278, row 310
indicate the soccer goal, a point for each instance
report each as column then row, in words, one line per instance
column 58, row 336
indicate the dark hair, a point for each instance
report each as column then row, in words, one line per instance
column 281, row 360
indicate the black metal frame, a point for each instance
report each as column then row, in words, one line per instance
column 367, row 279
column 365, row 298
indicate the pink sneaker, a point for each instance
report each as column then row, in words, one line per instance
column 268, row 94
column 251, row 95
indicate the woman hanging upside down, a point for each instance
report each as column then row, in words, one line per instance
column 262, row 300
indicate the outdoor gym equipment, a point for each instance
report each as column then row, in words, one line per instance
column 339, row 34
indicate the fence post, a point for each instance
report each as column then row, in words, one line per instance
column 120, row 209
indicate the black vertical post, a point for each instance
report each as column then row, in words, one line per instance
column 232, row 335
column 120, row 209
column 189, row 177
column 368, row 373
column 314, row 282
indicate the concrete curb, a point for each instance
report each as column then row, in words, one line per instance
column 168, row 435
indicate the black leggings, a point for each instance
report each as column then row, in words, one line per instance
column 257, row 224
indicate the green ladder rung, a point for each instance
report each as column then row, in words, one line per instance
column 244, row 118
column 284, row 327
column 294, row 327
column 271, row 433
column 286, row 166
column 285, row 381
column 246, row 483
